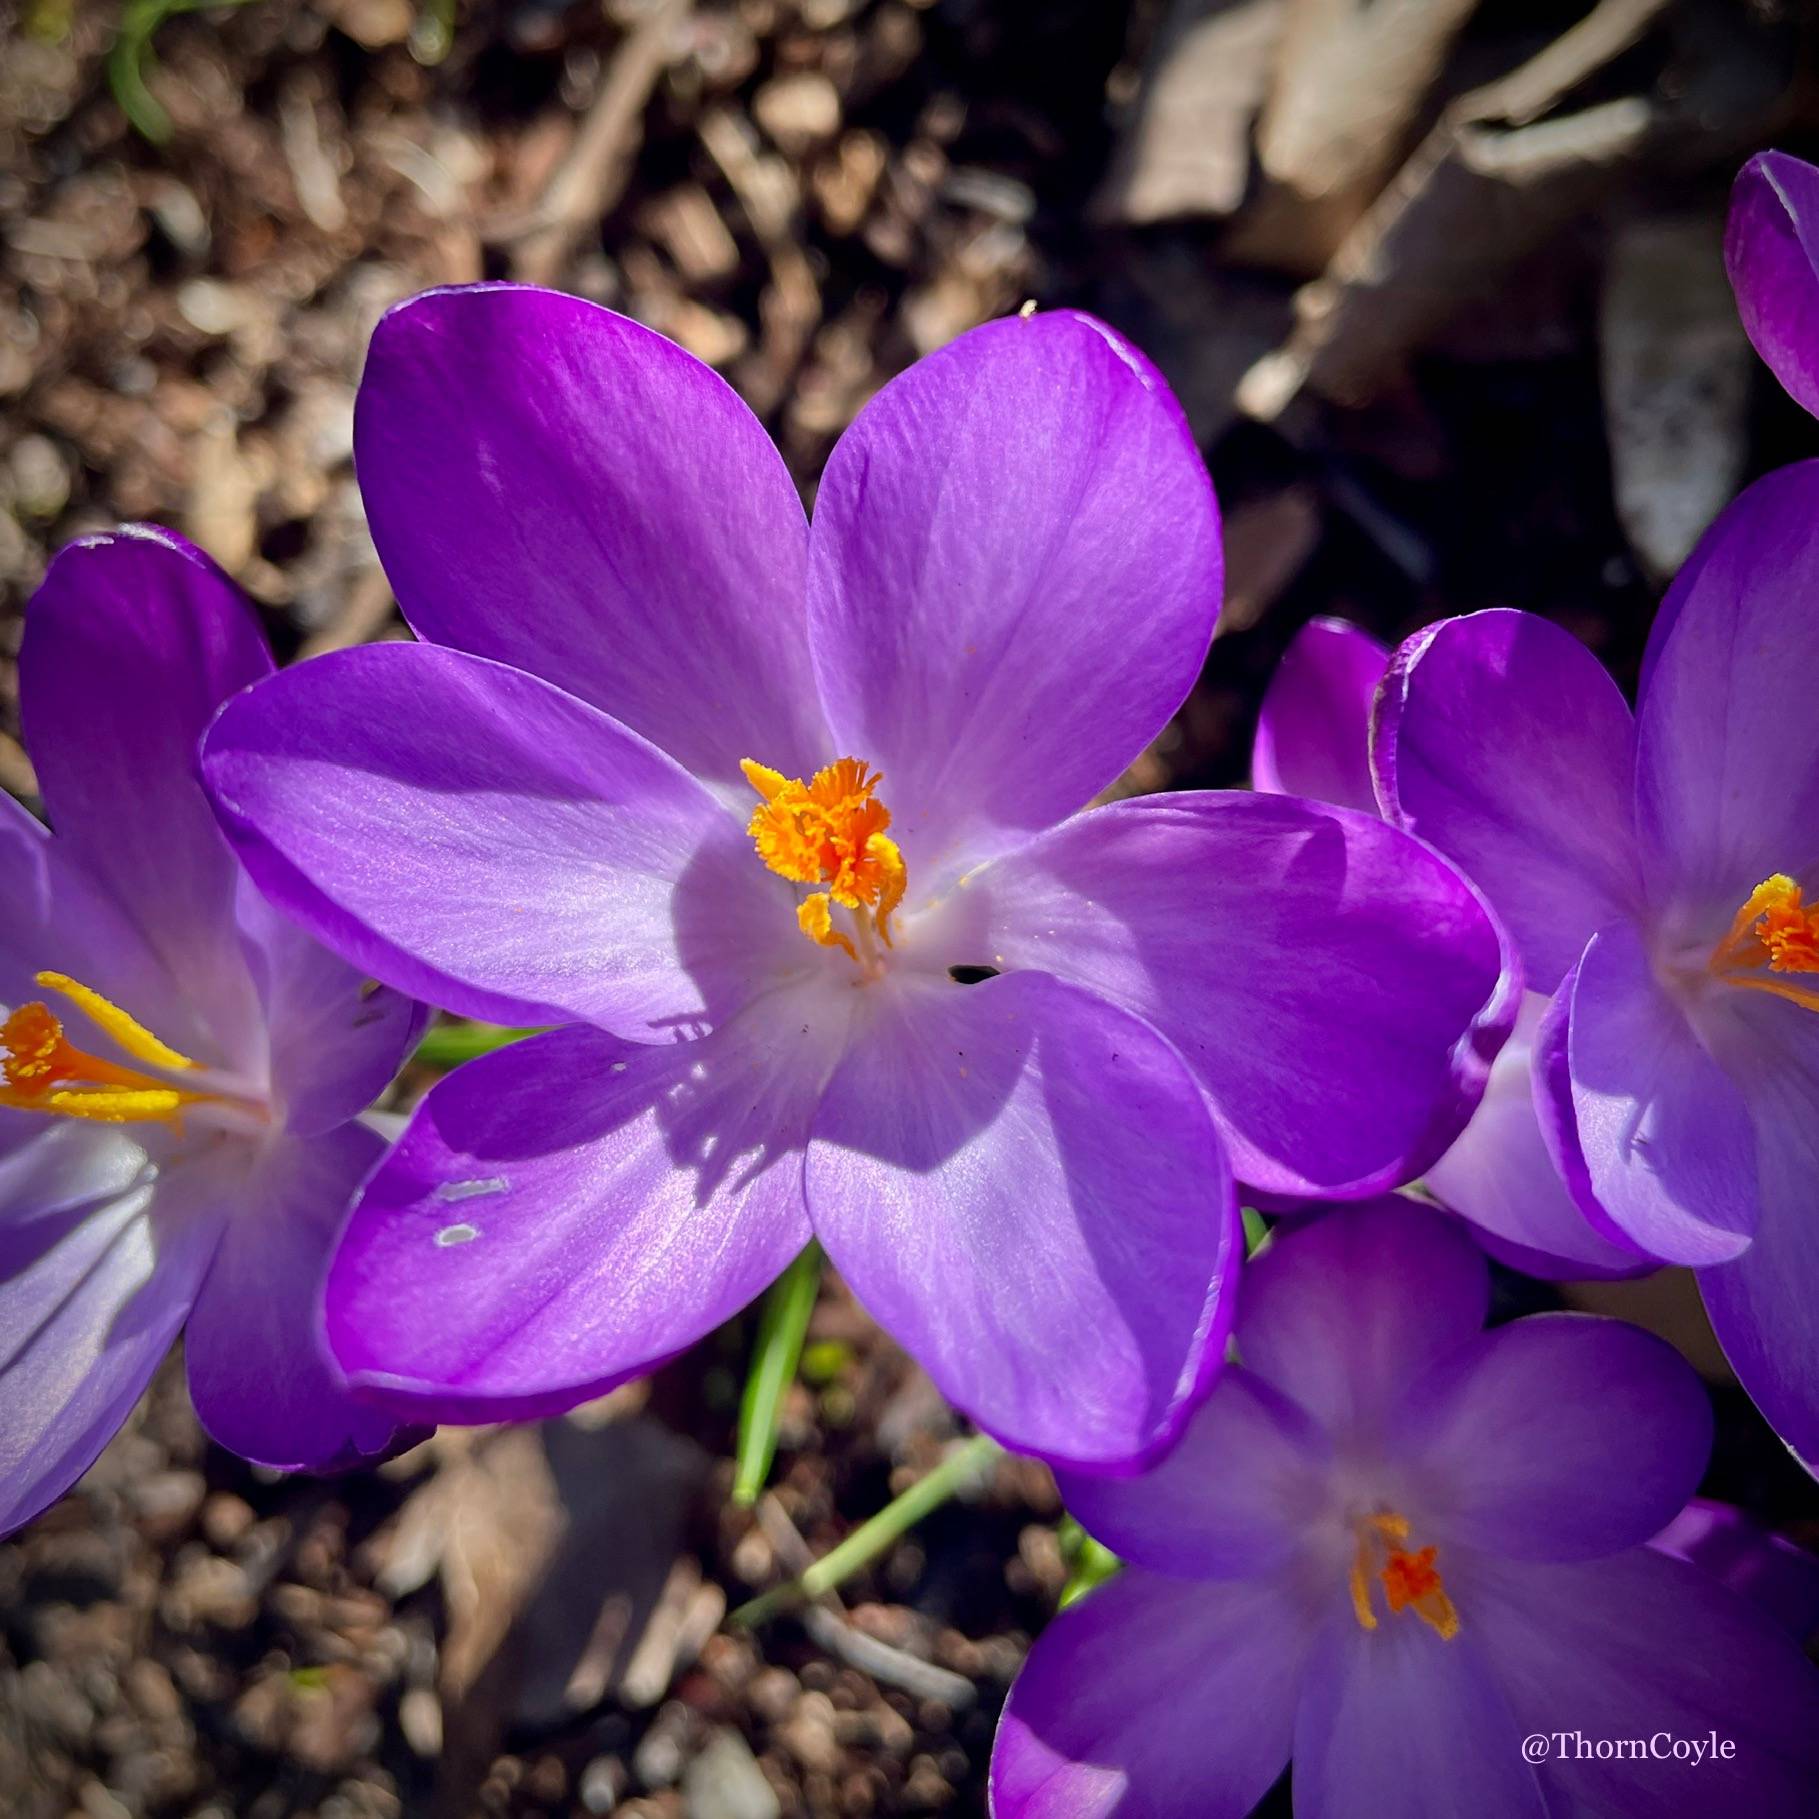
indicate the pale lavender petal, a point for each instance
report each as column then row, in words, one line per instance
column 1764, row 1305
column 479, row 839
column 1153, row 1699
column 131, row 644
column 1014, row 572
column 25, row 900
column 1023, row 1187
column 1780, row 1579
column 557, row 487
column 1771, row 246
column 568, row 1212
column 1641, row 1646
column 98, row 1267
column 1314, row 728
column 259, row 1378
column 1344, row 1309
column 1396, row 1721
column 1727, row 767
column 1502, row 740
column 1558, row 1437
column 1338, row 988
column 1666, row 1136
column 1232, row 1499
column 1500, row 1176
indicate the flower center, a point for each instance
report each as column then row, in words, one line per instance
column 1776, row 931
column 830, row 830
column 44, row 1071
column 1410, row 1579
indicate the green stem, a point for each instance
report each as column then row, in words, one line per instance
column 872, row 1537
column 782, row 1327
column 449, row 1044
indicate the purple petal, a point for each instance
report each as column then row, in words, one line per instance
column 1668, row 1145
column 98, row 1267
column 558, row 488
column 1502, row 740
column 1640, row 1646
column 1314, row 729
column 1727, row 767
column 1771, row 246
column 1344, row 1309
column 1230, row 1501
column 1396, row 1721
column 257, row 1374
column 131, row 644
column 568, row 1212
column 1500, row 1176
column 1559, row 1437
column 1337, row 987
column 1780, row 1579
column 1153, row 1699
column 25, row 900
column 1022, row 1185
column 1014, row 572
column 1764, row 1306
column 481, row 840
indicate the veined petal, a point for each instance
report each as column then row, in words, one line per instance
column 1153, row 1699
column 1337, row 987
column 558, row 488
column 1771, row 246
column 1022, row 1185
column 566, row 1213
column 1314, row 728
column 258, row 1376
column 1014, row 572
column 1502, row 740
column 1727, row 766
column 1557, row 1437
column 481, row 840
column 132, row 642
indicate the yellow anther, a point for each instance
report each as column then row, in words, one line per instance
column 1776, row 931
column 1410, row 1579
column 830, row 831
column 129, row 1032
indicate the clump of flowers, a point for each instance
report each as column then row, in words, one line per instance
column 181, row 1071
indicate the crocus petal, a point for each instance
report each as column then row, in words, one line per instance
column 1501, row 739
column 1314, row 729
column 98, row 1267
column 1343, row 1309
column 1669, row 1148
column 1501, row 1177
column 567, row 1212
column 479, row 839
column 1230, row 1501
column 559, row 488
column 257, row 1375
column 1153, row 1699
column 1727, row 768
column 1394, row 1720
column 1764, row 1306
column 1642, row 1647
column 1771, row 247
column 131, row 644
column 1558, row 1437
column 1338, row 988
column 25, row 900
column 1780, row 1579
column 341, row 1038
column 1014, row 572
column 1022, row 1185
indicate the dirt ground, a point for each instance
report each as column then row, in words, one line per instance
column 1444, row 300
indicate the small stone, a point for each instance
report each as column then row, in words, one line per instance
column 798, row 111
column 725, row 1782
column 602, row 1782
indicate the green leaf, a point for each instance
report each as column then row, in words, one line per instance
column 782, row 1326
column 449, row 1044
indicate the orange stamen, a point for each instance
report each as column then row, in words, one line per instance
column 1410, row 1580
column 1774, row 930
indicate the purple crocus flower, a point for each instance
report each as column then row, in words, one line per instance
column 777, row 821
column 179, row 1068
column 1395, row 1547
column 1660, row 876
column 1771, row 246
column 1313, row 739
